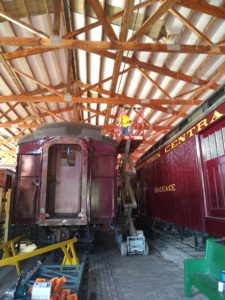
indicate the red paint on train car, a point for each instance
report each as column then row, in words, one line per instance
column 213, row 149
column 65, row 180
column 184, row 181
column 173, row 189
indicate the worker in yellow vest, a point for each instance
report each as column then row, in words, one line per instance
column 124, row 122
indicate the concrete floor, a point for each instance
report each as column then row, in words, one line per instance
column 110, row 276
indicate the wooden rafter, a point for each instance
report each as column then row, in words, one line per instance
column 47, row 102
column 125, row 98
column 114, row 100
column 152, row 19
column 133, row 61
column 50, row 113
column 38, row 82
column 35, row 111
column 190, row 26
column 57, row 17
column 154, row 82
column 204, row 7
column 119, row 56
column 88, row 88
column 182, row 66
column 23, row 25
column 97, row 7
column 121, row 96
column 110, row 19
column 103, row 127
column 122, row 38
column 116, row 45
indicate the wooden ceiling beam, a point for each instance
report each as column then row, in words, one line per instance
column 55, row 113
column 103, row 127
column 106, row 92
column 154, row 82
column 152, row 19
column 119, row 56
column 50, row 113
column 23, row 25
column 161, row 70
column 122, row 38
column 20, row 126
column 12, row 75
column 57, row 15
column 54, row 91
column 8, row 140
column 102, row 46
column 115, row 100
column 190, row 26
column 217, row 75
column 35, row 111
column 27, row 52
column 124, row 97
column 98, row 9
column 43, row 115
column 203, row 7
column 110, row 19
column 104, row 80
column 13, row 151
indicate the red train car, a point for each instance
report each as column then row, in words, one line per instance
column 66, row 176
column 183, row 180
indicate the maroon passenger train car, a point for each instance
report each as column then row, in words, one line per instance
column 66, row 176
column 183, row 180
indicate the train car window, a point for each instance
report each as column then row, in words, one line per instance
column 206, row 148
column 212, row 143
column 223, row 131
column 68, row 156
column 71, row 156
column 219, row 142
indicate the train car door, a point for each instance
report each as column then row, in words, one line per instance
column 26, row 198
column 64, row 180
column 213, row 149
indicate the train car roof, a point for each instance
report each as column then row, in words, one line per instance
column 67, row 129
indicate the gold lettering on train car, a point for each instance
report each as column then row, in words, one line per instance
column 167, row 149
column 165, row 188
column 190, row 132
column 174, row 144
column 216, row 116
column 181, row 139
column 201, row 124
column 173, row 187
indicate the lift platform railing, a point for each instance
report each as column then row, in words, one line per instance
column 11, row 258
column 136, row 130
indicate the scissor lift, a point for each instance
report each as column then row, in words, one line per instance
column 135, row 242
